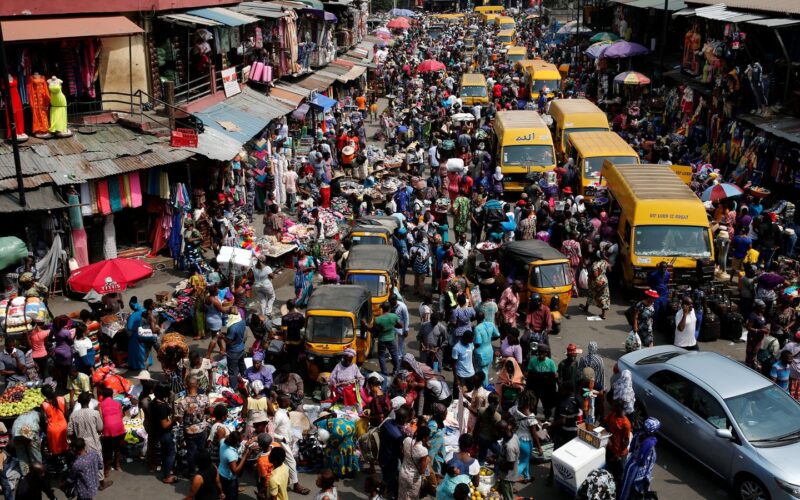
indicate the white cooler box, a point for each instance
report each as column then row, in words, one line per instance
column 237, row 259
column 574, row 461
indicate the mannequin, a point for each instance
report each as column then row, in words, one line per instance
column 39, row 96
column 16, row 108
column 58, row 109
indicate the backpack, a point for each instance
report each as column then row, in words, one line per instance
column 765, row 355
column 370, row 443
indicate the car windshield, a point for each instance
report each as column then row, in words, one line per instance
column 671, row 241
column 550, row 275
column 530, row 155
column 592, row 166
column 334, row 329
column 551, row 85
column 368, row 240
column 767, row 414
column 375, row 283
column 473, row 91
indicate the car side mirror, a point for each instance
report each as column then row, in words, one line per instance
column 724, row 434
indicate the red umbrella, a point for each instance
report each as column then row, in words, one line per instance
column 109, row 276
column 429, row 66
column 400, row 23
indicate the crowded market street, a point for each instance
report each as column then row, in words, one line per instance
column 332, row 249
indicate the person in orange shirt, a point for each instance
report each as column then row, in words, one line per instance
column 361, row 102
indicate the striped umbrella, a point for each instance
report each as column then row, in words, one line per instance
column 631, row 78
column 721, row 191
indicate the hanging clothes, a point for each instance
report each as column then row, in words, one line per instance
column 125, row 182
column 70, row 67
column 58, row 107
column 86, row 200
column 163, row 189
column 136, row 190
column 75, row 215
column 80, row 248
column 109, row 238
column 16, row 108
column 93, row 193
column 103, row 201
column 114, row 194
column 39, row 97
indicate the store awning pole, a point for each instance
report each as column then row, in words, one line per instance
column 130, row 70
column 12, row 124
column 788, row 66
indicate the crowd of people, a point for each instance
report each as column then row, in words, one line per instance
column 510, row 401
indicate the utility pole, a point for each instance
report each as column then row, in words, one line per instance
column 664, row 34
column 12, row 125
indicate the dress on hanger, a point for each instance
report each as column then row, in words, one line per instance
column 58, row 109
column 16, row 108
column 39, row 97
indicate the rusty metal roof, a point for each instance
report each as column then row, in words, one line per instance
column 56, row 28
column 783, row 7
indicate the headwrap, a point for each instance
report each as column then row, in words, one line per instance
column 256, row 387
column 258, row 356
column 517, row 379
column 349, row 352
column 652, row 425
column 623, row 390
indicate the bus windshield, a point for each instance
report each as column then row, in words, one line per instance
column 552, row 85
column 592, row 166
column 671, row 241
column 473, row 91
column 531, row 154
column 331, row 329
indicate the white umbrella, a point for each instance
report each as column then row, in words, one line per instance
column 572, row 28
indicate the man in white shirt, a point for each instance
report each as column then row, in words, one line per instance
column 433, row 155
column 685, row 322
column 290, row 183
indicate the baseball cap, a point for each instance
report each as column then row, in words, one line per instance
column 573, row 349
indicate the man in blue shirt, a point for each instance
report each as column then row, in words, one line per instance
column 658, row 280
column 234, row 351
column 780, row 370
column 401, row 310
column 739, row 247
column 462, row 356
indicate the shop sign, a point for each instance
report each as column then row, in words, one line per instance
column 230, row 83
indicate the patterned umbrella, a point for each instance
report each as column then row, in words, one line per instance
column 631, row 78
column 594, row 50
column 604, row 37
column 400, row 23
column 721, row 191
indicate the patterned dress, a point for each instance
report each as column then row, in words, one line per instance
column 340, row 456
column 461, row 209
column 598, row 285
column 437, row 450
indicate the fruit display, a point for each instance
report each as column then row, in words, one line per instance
column 474, row 494
column 19, row 399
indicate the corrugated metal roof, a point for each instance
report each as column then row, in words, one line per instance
column 781, row 6
column 354, row 73
column 259, row 11
column 27, row 29
column 27, row 182
column 224, row 16
column 38, row 199
column 775, row 22
column 672, row 5
column 295, row 89
column 216, row 145
column 189, row 19
column 250, row 112
column 316, row 81
column 285, row 96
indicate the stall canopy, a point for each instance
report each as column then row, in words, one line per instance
column 322, row 101
column 301, row 112
column 672, row 5
column 314, row 4
column 189, row 20
column 225, row 16
column 18, row 30
column 244, row 115
column 783, row 7
column 720, row 12
column 353, row 73
column 43, row 198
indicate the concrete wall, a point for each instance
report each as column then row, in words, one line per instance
column 115, row 71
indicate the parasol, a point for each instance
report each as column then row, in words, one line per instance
column 594, row 50
column 721, row 191
column 604, row 37
column 402, row 12
column 429, row 66
column 631, row 78
column 572, row 28
column 620, row 49
column 109, row 276
column 399, row 23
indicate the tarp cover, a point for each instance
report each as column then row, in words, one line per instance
column 338, row 298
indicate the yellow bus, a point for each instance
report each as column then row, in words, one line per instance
column 515, row 54
column 575, row 115
column 489, row 18
column 506, row 23
column 543, row 75
column 489, row 9
column 523, row 144
column 660, row 220
column 506, row 37
column 590, row 150
column 523, row 66
column 473, row 89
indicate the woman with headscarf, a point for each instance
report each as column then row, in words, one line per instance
column 304, row 277
column 623, row 391
column 597, row 382
column 346, row 380
column 417, row 380
column 598, row 288
column 510, row 381
column 340, row 448
column 638, row 471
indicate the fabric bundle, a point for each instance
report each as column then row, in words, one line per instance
column 103, row 197
column 136, row 190
column 87, row 204
column 75, row 215
column 80, row 249
column 114, row 194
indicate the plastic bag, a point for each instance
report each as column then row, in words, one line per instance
column 583, row 279
column 12, row 251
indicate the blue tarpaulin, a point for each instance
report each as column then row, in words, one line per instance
column 323, row 101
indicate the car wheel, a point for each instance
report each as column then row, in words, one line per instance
column 750, row 488
column 638, row 416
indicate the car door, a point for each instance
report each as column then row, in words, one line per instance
column 664, row 395
column 709, row 415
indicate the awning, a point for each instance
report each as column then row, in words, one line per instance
column 321, row 14
column 188, row 19
column 301, row 112
column 672, row 5
column 775, row 22
column 352, row 74
column 43, row 198
column 683, row 13
column 225, row 16
column 314, row 4
column 244, row 115
column 295, row 89
column 260, row 9
column 782, row 126
column 27, row 29
column 316, row 82
column 322, row 101
column 216, row 145
column 720, row 12
column 283, row 95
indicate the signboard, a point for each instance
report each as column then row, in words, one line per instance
column 230, row 83
column 684, row 172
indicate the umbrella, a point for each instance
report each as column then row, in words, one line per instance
column 721, row 191
column 383, row 35
column 572, row 28
column 399, row 23
column 382, row 30
column 109, row 276
column 622, row 49
column 402, row 12
column 632, row 78
column 604, row 37
column 463, row 117
column 429, row 66
column 594, row 50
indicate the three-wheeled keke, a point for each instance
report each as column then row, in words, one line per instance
column 543, row 270
column 374, row 267
column 374, row 230
column 338, row 317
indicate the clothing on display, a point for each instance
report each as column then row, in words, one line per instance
column 39, row 99
column 16, row 107
column 58, row 108
column 109, row 238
